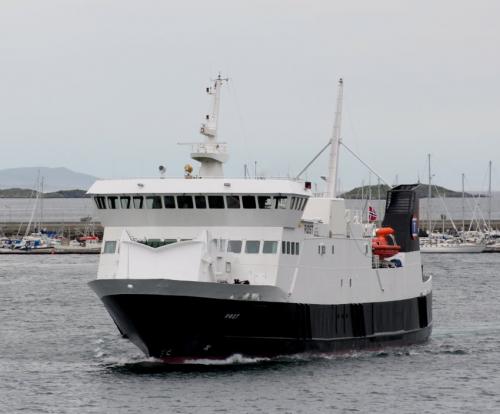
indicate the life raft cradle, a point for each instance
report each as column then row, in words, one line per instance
column 384, row 244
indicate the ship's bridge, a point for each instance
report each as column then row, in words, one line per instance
column 204, row 202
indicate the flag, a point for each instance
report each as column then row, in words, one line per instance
column 372, row 214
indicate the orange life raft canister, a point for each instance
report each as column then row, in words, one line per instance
column 381, row 243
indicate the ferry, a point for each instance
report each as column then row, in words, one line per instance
column 206, row 267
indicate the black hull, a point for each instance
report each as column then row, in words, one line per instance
column 173, row 327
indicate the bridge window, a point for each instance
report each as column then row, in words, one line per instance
column 234, row 246
column 100, row 202
column 283, row 247
column 153, row 202
column 233, row 201
column 125, row 202
column 270, row 247
column 113, row 202
column 252, row 246
column 169, row 201
column 109, row 247
column 265, row 202
column 288, row 247
column 280, row 202
column 299, row 203
column 304, row 204
column 248, row 201
column 297, row 247
column 185, row 201
column 215, row 201
column 294, row 201
column 138, row 201
column 200, row 201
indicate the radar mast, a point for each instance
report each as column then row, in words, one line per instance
column 211, row 153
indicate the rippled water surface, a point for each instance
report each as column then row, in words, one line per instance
column 60, row 352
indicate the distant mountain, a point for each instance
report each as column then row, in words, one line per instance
column 422, row 192
column 54, row 178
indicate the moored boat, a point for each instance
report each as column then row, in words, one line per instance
column 452, row 246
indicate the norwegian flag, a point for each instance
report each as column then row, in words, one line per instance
column 372, row 214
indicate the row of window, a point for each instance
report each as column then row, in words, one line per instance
column 232, row 246
column 200, row 202
column 290, row 247
column 252, row 246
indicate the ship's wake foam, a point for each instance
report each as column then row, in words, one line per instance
column 136, row 362
column 236, row 359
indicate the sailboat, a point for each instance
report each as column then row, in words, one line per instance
column 442, row 243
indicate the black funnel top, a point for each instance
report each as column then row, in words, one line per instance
column 401, row 213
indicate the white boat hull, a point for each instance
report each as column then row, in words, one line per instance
column 453, row 249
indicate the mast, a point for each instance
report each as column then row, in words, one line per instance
column 489, row 197
column 463, row 202
column 429, row 196
column 331, row 184
column 369, row 195
column 379, row 202
column 211, row 153
column 41, row 206
column 28, row 226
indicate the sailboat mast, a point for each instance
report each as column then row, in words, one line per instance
column 40, row 221
column 429, row 196
column 463, row 202
column 28, row 226
column 489, row 197
column 331, row 184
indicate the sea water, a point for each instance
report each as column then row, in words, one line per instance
column 61, row 353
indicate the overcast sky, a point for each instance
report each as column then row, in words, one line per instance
column 110, row 87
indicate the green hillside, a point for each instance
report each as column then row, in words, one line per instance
column 422, row 191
